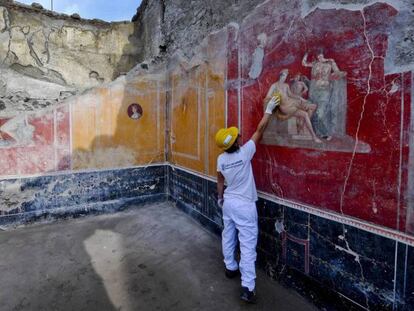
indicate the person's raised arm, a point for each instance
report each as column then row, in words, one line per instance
column 271, row 105
column 305, row 61
column 305, row 88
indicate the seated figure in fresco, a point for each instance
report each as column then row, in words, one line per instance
column 300, row 87
column 327, row 89
column 292, row 105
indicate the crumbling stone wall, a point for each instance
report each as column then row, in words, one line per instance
column 165, row 26
column 61, row 54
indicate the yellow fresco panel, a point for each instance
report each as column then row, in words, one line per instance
column 186, row 123
column 188, row 120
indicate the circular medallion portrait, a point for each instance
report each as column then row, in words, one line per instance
column 135, row 111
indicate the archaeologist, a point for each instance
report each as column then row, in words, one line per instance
column 239, row 201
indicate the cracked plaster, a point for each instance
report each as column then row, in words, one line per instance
column 400, row 53
column 68, row 53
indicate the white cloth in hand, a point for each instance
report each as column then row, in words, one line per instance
column 271, row 105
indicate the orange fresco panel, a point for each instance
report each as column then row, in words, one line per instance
column 141, row 137
column 109, row 138
column 188, row 121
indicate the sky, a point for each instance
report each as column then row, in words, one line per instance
column 107, row 10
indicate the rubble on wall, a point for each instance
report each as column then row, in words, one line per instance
column 19, row 93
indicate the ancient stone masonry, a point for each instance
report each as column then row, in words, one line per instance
column 182, row 25
column 60, row 54
column 165, row 26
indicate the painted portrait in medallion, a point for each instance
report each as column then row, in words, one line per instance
column 135, row 111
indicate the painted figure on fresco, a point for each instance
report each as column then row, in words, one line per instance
column 327, row 89
column 135, row 114
column 18, row 131
column 300, row 87
column 258, row 55
column 292, row 105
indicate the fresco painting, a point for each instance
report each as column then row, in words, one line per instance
column 335, row 140
column 312, row 108
column 328, row 89
column 33, row 143
column 123, row 133
column 197, row 105
column 293, row 106
column 99, row 129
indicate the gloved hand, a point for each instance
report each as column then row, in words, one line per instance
column 220, row 202
column 272, row 103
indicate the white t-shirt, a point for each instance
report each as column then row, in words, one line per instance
column 237, row 170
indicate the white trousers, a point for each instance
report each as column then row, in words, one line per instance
column 242, row 216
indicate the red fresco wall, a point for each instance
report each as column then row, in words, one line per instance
column 367, row 185
column 44, row 147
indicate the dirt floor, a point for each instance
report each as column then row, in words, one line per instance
column 148, row 258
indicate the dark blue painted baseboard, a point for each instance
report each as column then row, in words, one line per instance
column 311, row 254
column 27, row 200
column 80, row 210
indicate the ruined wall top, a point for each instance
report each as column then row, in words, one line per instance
column 46, row 57
column 36, row 8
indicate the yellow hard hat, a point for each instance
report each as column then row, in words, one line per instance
column 225, row 138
